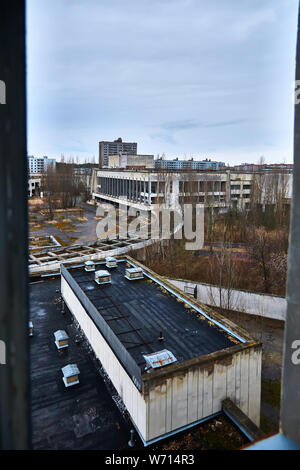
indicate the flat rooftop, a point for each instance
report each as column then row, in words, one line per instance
column 83, row 416
column 88, row 416
column 138, row 311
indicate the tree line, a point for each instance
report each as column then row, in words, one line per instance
column 62, row 188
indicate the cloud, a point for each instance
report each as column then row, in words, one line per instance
column 234, row 122
column 193, row 72
column 166, row 138
column 191, row 124
column 180, row 125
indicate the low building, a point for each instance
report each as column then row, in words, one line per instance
column 144, row 188
column 131, row 161
column 218, row 190
column 34, row 185
column 171, row 359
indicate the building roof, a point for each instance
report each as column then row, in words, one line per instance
column 138, row 312
column 85, row 417
column 82, row 417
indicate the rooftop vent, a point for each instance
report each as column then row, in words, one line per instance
column 70, row 375
column 111, row 262
column 30, row 328
column 102, row 277
column 89, row 266
column 159, row 359
column 61, row 339
column 134, row 273
column 161, row 336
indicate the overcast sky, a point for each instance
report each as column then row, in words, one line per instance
column 181, row 77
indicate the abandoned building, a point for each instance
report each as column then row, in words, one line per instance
column 219, row 189
column 172, row 360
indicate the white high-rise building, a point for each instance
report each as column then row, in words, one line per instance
column 40, row 165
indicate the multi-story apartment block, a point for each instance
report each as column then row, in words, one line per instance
column 191, row 164
column 107, row 148
column 40, row 165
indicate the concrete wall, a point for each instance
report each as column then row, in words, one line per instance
column 263, row 305
column 130, row 395
column 121, row 161
column 34, row 185
column 54, row 266
column 197, row 392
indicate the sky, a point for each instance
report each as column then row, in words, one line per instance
column 184, row 78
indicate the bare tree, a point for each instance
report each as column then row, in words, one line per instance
column 223, row 272
column 260, row 248
column 49, row 187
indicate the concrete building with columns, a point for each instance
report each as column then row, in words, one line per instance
column 216, row 189
column 144, row 188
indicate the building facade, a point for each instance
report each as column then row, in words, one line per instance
column 216, row 189
column 107, row 148
column 34, row 185
column 125, row 161
column 191, row 164
column 145, row 188
column 40, row 165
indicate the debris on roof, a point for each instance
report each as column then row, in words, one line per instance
column 160, row 358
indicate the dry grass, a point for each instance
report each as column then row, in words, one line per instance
column 34, row 202
column 52, row 222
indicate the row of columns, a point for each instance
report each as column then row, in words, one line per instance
column 129, row 188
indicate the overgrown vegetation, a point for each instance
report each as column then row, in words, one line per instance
column 62, row 189
column 245, row 248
